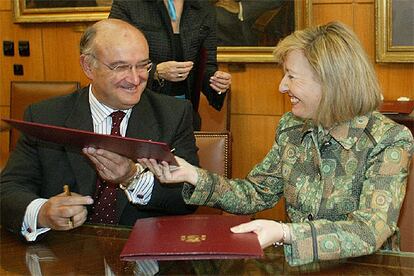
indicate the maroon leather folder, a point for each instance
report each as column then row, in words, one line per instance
column 190, row 237
column 129, row 147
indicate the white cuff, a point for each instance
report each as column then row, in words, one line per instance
column 140, row 191
column 29, row 226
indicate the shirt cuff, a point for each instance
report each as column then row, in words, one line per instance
column 29, row 227
column 140, row 191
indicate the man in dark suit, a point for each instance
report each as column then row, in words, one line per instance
column 115, row 57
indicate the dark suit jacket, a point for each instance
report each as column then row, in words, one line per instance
column 197, row 31
column 39, row 169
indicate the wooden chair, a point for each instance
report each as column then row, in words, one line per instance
column 24, row 93
column 214, row 152
column 406, row 220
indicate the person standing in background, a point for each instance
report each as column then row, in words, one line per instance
column 183, row 48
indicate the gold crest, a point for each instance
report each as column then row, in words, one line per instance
column 193, row 238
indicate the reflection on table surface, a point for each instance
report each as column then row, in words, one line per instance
column 95, row 250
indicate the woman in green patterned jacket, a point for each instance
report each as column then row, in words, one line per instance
column 340, row 164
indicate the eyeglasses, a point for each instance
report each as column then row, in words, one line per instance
column 123, row 69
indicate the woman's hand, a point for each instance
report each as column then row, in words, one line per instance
column 173, row 70
column 185, row 172
column 220, row 82
column 268, row 231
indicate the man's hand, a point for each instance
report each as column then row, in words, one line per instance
column 111, row 167
column 57, row 212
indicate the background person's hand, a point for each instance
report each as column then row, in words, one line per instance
column 268, row 231
column 110, row 166
column 174, row 70
column 185, row 172
column 58, row 210
column 220, row 82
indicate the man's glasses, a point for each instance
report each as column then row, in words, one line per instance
column 123, row 69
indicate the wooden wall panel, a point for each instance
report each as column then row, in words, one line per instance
column 364, row 27
column 32, row 65
column 61, row 52
column 324, row 13
column 397, row 80
column 255, row 90
column 5, row 5
column 253, row 136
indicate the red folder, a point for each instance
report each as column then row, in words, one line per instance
column 191, row 237
column 128, row 147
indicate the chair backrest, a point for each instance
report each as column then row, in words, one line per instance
column 214, row 152
column 24, row 93
column 406, row 220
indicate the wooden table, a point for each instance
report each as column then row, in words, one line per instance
column 89, row 250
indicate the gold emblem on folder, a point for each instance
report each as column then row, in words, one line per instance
column 193, row 238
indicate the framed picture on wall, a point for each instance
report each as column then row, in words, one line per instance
column 249, row 35
column 394, row 24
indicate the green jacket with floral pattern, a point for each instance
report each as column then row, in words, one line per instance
column 344, row 188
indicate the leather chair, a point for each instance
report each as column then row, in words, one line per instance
column 214, row 152
column 406, row 220
column 24, row 93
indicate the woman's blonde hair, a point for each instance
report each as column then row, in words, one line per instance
column 349, row 84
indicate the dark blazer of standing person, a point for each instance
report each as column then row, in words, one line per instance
column 176, row 48
column 38, row 170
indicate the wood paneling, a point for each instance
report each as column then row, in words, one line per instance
column 253, row 136
column 364, row 27
column 255, row 90
column 5, row 5
column 32, row 65
column 324, row 13
column 61, row 52
column 396, row 80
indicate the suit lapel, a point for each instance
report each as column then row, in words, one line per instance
column 81, row 119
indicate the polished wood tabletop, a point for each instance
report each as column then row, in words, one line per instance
column 95, row 250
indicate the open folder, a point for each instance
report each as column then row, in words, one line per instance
column 128, row 147
column 190, row 237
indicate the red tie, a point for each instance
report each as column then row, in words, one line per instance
column 104, row 207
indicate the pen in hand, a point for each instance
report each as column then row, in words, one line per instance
column 147, row 169
column 68, row 193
